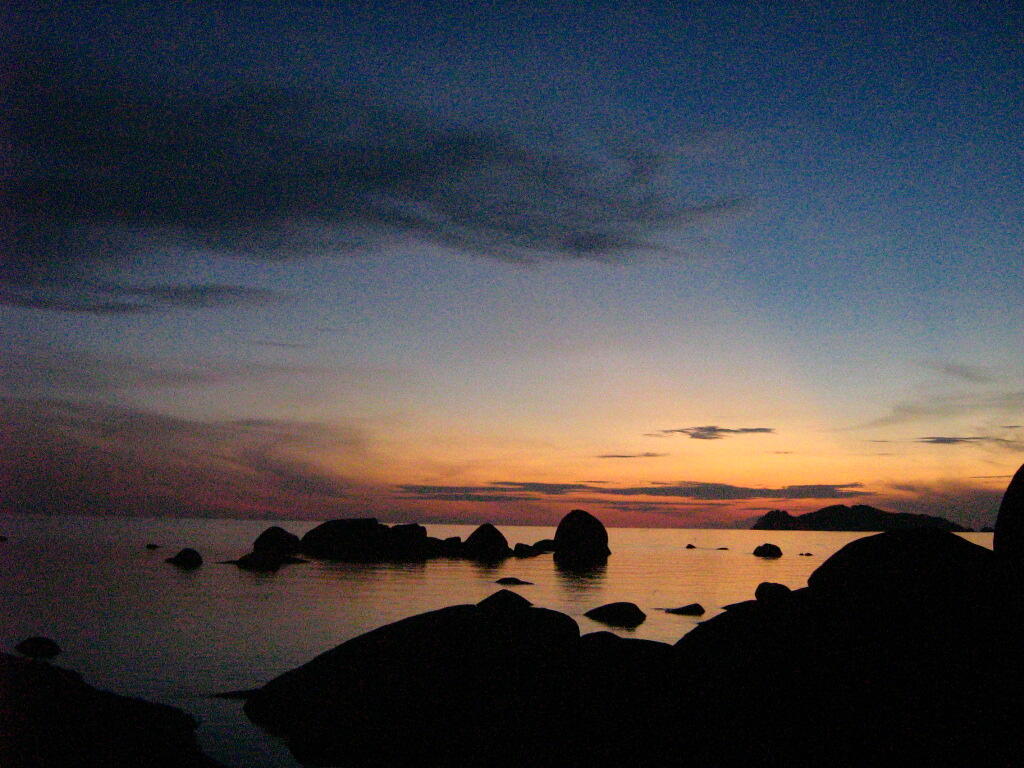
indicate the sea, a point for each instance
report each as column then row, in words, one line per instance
column 132, row 624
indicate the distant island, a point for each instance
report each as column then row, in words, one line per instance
column 860, row 517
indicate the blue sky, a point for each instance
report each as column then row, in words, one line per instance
column 308, row 258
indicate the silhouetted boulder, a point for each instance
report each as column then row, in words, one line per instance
column 50, row 718
column 448, row 682
column 486, row 543
column 524, row 550
column 617, row 615
column 512, row 581
column 581, row 541
column 152, row 546
column 39, row 648
column 768, row 591
column 859, row 517
column 186, row 559
column 767, row 550
column 693, row 609
column 1008, row 539
column 689, row 546
column 356, row 539
column 277, row 540
column 544, row 545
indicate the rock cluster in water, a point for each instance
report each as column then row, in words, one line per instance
column 904, row 648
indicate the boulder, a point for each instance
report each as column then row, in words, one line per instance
column 356, row 539
column 693, row 609
column 769, row 591
column 49, row 717
column 186, row 559
column 581, row 541
column 544, row 545
column 1008, row 538
column 486, row 544
column 463, row 685
column 524, row 550
column 39, row 648
column 621, row 614
column 152, row 546
column 767, row 550
column 276, row 540
column 512, row 581
column 689, row 546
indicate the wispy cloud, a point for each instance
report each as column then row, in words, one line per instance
column 713, row 432
column 645, row 455
column 105, row 171
column 972, row 374
column 980, row 439
column 948, row 406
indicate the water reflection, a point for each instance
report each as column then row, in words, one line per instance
column 580, row 581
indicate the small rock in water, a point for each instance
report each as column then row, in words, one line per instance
column 767, row 550
column 806, row 554
column 38, row 648
column 689, row 546
column 3, row 538
column 152, row 546
column 512, row 581
column 693, row 609
column 721, row 548
column 187, row 558
column 622, row 614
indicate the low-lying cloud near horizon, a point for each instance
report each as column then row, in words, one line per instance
column 712, row 432
column 105, row 172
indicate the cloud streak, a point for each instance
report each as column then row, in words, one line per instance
column 713, row 432
column 645, row 455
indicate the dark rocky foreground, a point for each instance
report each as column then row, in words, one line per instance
column 49, row 717
column 905, row 648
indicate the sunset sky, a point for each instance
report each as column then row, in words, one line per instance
column 459, row 262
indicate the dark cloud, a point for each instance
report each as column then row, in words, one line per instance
column 956, row 440
column 684, row 490
column 969, row 373
column 104, row 172
column 59, row 457
column 972, row 505
column 716, row 433
column 646, row 455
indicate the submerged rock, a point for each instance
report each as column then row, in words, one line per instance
column 693, row 609
column 512, row 581
column 767, row 550
column 618, row 615
column 186, row 559
column 581, row 541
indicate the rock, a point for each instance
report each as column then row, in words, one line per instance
column 544, row 545
column 38, row 648
column 49, row 717
column 722, row 548
column 581, row 541
column 769, row 591
column 693, row 609
column 393, row 695
column 806, row 554
column 1008, row 538
column 186, row 559
column 276, row 539
column 356, row 539
column 2, row 538
column 152, row 546
column 504, row 600
column 689, row 546
column 524, row 550
column 486, row 544
column 617, row 615
column 767, row 550
column 513, row 581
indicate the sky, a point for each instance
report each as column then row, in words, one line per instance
column 463, row 262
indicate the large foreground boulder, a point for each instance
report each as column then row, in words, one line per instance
column 50, row 718
column 581, row 541
column 1008, row 539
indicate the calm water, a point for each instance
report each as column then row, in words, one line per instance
column 130, row 623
